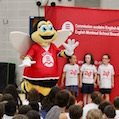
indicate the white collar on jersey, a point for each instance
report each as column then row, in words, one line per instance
column 46, row 48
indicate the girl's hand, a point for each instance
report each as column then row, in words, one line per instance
column 62, row 84
column 80, row 85
column 95, row 85
column 112, row 85
column 98, row 83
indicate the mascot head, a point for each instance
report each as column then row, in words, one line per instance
column 44, row 33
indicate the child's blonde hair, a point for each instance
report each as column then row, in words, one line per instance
column 94, row 114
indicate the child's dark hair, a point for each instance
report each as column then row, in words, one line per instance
column 7, row 97
column 24, row 109
column 10, row 108
column 49, row 100
column 1, row 110
column 75, row 112
column 70, row 102
column 109, row 57
column 62, row 98
column 103, row 105
column 11, row 89
column 33, row 95
column 32, row 114
column 69, row 57
column 116, row 102
column 96, row 97
column 34, row 105
column 109, row 111
column 92, row 59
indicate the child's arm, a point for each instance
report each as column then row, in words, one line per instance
column 112, row 78
column 81, row 76
column 112, row 81
column 98, row 80
column 95, row 79
column 63, row 78
column 98, row 76
column 78, row 76
column 79, row 79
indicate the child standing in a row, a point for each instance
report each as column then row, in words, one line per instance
column 106, row 77
column 88, row 75
column 71, row 75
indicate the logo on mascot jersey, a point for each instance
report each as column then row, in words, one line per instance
column 47, row 59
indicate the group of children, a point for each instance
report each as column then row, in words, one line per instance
column 88, row 76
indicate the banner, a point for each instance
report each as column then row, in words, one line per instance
column 96, row 30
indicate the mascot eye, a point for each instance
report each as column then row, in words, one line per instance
column 43, row 28
column 50, row 27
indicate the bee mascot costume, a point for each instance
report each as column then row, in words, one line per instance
column 41, row 53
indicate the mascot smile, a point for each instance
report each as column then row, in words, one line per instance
column 41, row 53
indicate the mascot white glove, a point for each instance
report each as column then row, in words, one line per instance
column 70, row 46
column 27, row 62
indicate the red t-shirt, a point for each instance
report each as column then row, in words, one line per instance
column 46, row 65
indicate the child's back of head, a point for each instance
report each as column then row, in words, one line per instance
column 32, row 114
column 62, row 98
column 34, row 105
column 116, row 103
column 94, row 114
column 75, row 112
column 24, row 109
column 10, row 108
column 109, row 111
column 70, row 102
column 96, row 97
column 103, row 105
column 7, row 97
column 20, row 116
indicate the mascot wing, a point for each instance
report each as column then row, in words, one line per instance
column 20, row 41
column 62, row 37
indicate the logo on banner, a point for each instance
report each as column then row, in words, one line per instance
column 68, row 26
